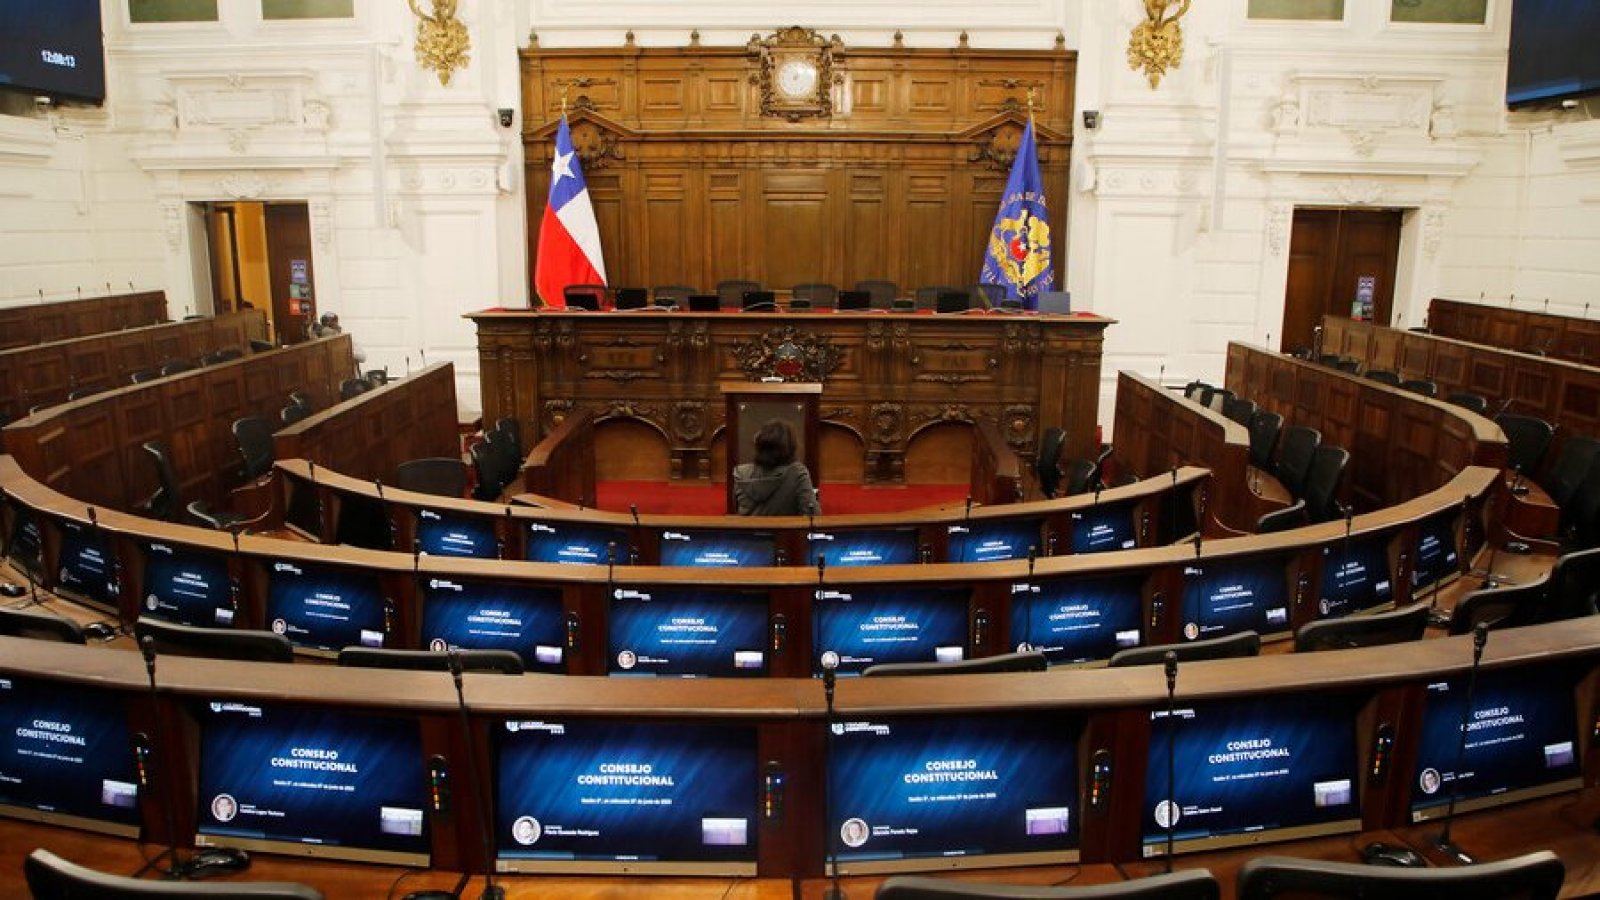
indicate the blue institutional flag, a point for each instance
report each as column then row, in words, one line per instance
column 1018, row 257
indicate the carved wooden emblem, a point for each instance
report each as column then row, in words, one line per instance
column 788, row 354
column 795, row 72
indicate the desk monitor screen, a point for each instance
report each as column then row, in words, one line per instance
column 363, row 522
column 1251, row 770
column 994, row 540
column 86, row 568
column 66, row 756
column 998, row 790
column 312, row 780
column 451, row 534
column 717, row 548
column 496, row 615
column 1103, row 527
column 303, row 508
column 23, row 543
column 1436, row 555
column 1522, row 740
column 186, row 585
column 856, row 627
column 594, row 795
column 575, row 544
column 863, row 547
column 326, row 607
column 1074, row 620
column 1355, row 577
column 1227, row 596
column 654, row 631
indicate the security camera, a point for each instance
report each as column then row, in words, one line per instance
column 506, row 114
column 1091, row 119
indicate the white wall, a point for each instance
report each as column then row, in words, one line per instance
column 1179, row 209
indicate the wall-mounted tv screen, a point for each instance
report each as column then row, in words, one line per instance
column 659, row 631
column 1074, row 620
column 1355, row 577
column 66, row 756
column 856, row 627
column 576, row 544
column 450, row 534
column 991, row 541
column 363, row 522
column 496, row 615
column 53, row 48
column 998, row 790
column 86, row 567
column 23, row 542
column 326, row 607
column 1104, row 527
column 587, row 795
column 1227, row 596
column 1435, row 554
column 717, row 548
column 1252, row 770
column 863, row 546
column 324, row 782
column 186, row 585
column 1552, row 51
column 1522, row 740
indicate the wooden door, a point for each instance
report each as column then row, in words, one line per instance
column 1337, row 256
column 289, row 265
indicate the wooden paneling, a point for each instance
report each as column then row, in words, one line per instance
column 895, row 375
column 693, row 185
column 1524, row 330
column 370, row 435
column 46, row 373
column 89, row 449
column 42, row 322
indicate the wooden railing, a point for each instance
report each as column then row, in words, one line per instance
column 996, row 470
column 371, row 434
column 37, row 323
column 1523, row 330
column 561, row 466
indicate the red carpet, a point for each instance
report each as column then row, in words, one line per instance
column 708, row 499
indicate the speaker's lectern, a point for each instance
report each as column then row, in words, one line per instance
column 752, row 404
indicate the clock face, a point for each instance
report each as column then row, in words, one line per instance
column 797, row 78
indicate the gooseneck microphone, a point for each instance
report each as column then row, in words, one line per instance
column 1170, row 662
column 491, row 891
column 1027, row 628
column 1480, row 637
column 830, row 840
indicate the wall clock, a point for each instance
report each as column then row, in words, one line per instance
column 794, row 73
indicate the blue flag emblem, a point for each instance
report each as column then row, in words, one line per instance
column 1018, row 256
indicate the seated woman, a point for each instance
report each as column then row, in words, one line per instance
column 774, row 485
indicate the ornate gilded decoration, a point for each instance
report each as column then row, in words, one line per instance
column 787, row 354
column 443, row 44
column 795, row 72
column 689, row 421
column 1157, row 43
column 999, row 147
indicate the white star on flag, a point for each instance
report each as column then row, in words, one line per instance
column 562, row 167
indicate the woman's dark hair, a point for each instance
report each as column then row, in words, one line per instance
column 774, row 445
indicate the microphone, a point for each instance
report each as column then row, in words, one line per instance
column 1027, row 622
column 634, row 508
column 1172, row 524
column 378, row 482
column 611, row 569
column 423, row 355
column 829, row 676
column 1480, row 637
column 1170, row 663
column 500, row 538
column 1161, row 374
column 966, row 531
column 490, row 890
column 408, row 365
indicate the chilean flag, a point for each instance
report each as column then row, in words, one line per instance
column 569, row 236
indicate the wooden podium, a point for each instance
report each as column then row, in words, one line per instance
column 752, row 404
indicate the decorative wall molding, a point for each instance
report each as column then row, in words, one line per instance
column 1579, row 145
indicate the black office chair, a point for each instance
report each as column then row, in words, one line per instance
column 377, row 377
column 1233, row 646
column 253, row 436
column 819, row 295
column 1468, row 400
column 176, row 367
column 1047, row 461
column 927, row 296
column 1507, row 606
column 52, row 878
column 1536, row 876
column 1021, row 661
column 302, row 399
column 228, row 354
column 1218, row 399
column 1239, row 410
column 143, row 375
column 1264, row 428
column 39, row 627
column 1580, row 517
column 512, row 429
column 1080, row 475
column 730, row 293
column 1190, row 884
column 220, row 519
column 442, row 476
column 987, row 296
column 172, row 639
column 1572, row 465
column 883, row 293
column 293, row 413
column 1394, row 627
column 496, row 464
column 351, row 388
column 211, row 359
column 673, row 295
column 494, row 662
column 1290, row 517
column 164, row 503
column 1574, row 590
column 1420, row 386
column 1297, row 448
column 1385, row 376
column 1527, row 437
column 259, row 346
column 585, row 296
column 1348, row 364
column 1322, row 482
column 81, row 393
